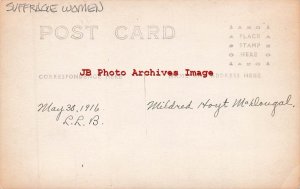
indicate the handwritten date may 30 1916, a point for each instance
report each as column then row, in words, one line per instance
column 73, row 114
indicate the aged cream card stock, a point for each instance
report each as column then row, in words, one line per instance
column 150, row 94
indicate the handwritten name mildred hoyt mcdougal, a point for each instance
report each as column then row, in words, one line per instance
column 217, row 106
